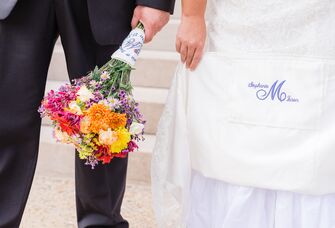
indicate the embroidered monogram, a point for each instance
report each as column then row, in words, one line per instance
column 273, row 92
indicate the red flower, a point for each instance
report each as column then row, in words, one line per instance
column 121, row 155
column 103, row 154
column 69, row 122
column 106, row 159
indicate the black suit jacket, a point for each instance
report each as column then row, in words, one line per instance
column 110, row 19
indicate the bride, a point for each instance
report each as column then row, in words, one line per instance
column 247, row 136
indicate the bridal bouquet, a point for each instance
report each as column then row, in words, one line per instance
column 98, row 113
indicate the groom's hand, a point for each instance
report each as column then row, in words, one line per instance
column 153, row 20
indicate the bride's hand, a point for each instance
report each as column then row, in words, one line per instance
column 191, row 39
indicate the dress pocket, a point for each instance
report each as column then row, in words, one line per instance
column 273, row 92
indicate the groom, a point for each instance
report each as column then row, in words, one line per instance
column 90, row 31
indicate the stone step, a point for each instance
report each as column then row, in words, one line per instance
column 56, row 159
column 151, row 104
column 51, row 204
column 153, row 69
column 165, row 39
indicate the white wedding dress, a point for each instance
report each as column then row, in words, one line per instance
column 248, row 139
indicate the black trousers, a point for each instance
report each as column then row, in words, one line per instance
column 27, row 39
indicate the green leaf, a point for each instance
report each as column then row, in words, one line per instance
column 96, row 74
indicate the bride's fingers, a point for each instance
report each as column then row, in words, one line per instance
column 183, row 52
column 189, row 57
column 196, row 58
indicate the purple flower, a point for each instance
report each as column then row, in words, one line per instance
column 92, row 161
column 132, row 146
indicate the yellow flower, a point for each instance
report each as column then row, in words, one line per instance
column 85, row 125
column 61, row 136
column 107, row 137
column 122, row 140
column 87, row 147
column 85, row 151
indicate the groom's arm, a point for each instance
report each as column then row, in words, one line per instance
column 154, row 14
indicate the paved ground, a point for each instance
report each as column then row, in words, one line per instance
column 51, row 204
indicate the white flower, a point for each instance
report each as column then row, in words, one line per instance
column 104, row 102
column 107, row 137
column 74, row 108
column 93, row 83
column 113, row 102
column 84, row 94
column 136, row 128
column 104, row 75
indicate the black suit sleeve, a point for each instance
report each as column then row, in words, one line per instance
column 165, row 5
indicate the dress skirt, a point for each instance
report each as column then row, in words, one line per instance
column 247, row 139
column 218, row 204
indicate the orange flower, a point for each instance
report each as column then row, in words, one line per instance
column 102, row 118
column 117, row 120
column 99, row 117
